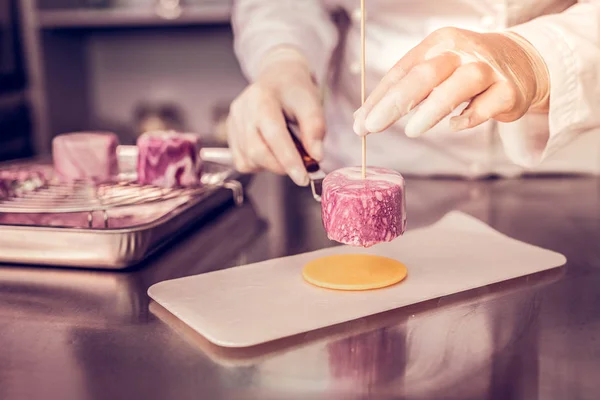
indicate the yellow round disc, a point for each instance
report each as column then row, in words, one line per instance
column 354, row 272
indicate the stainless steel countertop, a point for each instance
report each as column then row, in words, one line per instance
column 72, row 334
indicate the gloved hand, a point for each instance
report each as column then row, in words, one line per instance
column 500, row 74
column 256, row 126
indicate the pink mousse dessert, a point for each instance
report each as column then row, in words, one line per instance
column 86, row 156
column 169, row 159
column 363, row 212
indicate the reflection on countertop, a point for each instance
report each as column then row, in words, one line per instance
column 62, row 294
column 82, row 334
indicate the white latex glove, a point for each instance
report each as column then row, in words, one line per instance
column 501, row 75
column 256, row 126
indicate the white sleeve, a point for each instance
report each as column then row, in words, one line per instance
column 260, row 26
column 569, row 43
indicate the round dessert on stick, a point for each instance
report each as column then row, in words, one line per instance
column 361, row 206
column 361, row 211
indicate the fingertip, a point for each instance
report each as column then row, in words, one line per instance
column 411, row 132
column 359, row 128
column 312, row 140
column 374, row 123
column 457, row 124
column 299, row 176
column 383, row 114
column 316, row 150
column 462, row 121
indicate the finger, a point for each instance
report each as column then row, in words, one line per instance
column 233, row 134
column 274, row 131
column 303, row 105
column 465, row 83
column 391, row 78
column 397, row 72
column 498, row 102
column 259, row 153
column 247, row 125
column 402, row 97
column 427, row 49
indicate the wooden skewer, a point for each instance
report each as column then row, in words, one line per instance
column 363, row 83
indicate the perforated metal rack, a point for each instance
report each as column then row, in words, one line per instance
column 56, row 197
column 110, row 240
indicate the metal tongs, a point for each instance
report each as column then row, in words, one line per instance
column 315, row 174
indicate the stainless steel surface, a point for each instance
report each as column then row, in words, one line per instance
column 78, row 334
column 59, row 197
column 167, row 213
column 217, row 155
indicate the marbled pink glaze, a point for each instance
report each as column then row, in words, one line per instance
column 18, row 181
column 86, row 156
column 23, row 174
column 169, row 159
column 5, row 188
column 363, row 212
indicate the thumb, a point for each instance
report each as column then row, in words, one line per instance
column 303, row 105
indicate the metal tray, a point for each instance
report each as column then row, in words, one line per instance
column 100, row 246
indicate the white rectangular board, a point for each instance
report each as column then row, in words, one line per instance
column 269, row 300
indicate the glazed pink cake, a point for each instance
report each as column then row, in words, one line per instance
column 169, row 159
column 363, row 212
column 17, row 182
column 86, row 156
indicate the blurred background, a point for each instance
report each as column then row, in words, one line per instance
column 121, row 65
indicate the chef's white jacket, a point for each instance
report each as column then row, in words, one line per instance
column 565, row 32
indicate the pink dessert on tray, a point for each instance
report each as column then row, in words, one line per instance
column 86, row 156
column 169, row 159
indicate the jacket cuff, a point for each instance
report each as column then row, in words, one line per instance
column 534, row 137
column 282, row 53
column 256, row 53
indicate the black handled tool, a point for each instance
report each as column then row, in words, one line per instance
column 315, row 174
